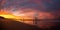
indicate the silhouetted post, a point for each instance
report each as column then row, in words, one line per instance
column 36, row 19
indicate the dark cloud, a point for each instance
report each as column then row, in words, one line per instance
column 44, row 5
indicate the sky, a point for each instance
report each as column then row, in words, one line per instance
column 44, row 5
column 22, row 6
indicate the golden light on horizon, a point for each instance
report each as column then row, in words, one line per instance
column 9, row 16
column 6, row 14
column 24, row 14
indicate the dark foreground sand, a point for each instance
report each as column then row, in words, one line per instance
column 10, row 24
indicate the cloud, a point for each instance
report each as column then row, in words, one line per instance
column 41, row 5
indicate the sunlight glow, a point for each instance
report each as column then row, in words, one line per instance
column 9, row 16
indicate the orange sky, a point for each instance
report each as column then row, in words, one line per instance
column 26, row 15
column 6, row 14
